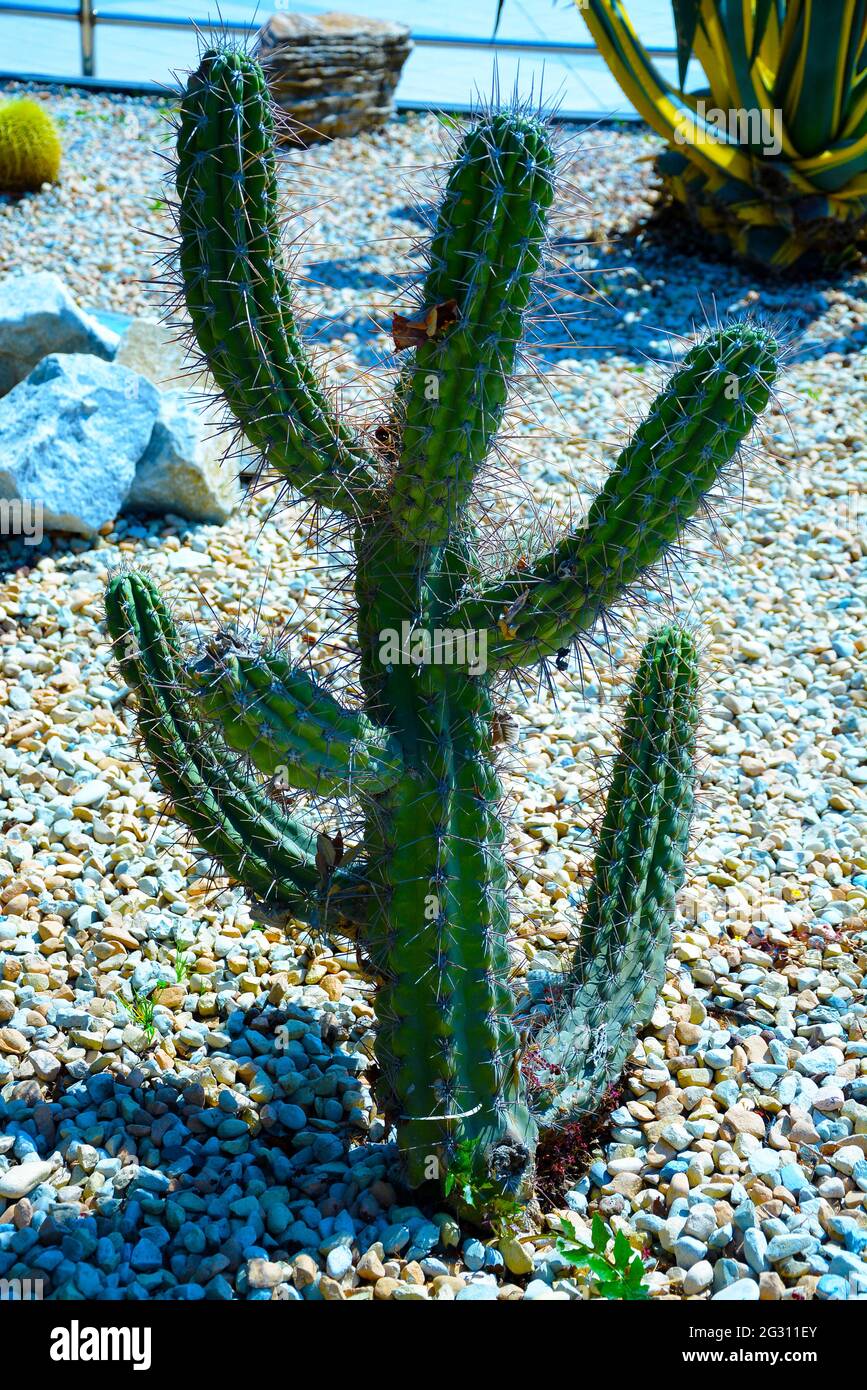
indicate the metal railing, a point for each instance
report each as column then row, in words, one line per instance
column 88, row 17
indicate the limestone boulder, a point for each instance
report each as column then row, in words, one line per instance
column 39, row 317
column 71, row 435
column 154, row 350
column 182, row 470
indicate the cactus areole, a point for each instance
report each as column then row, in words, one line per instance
column 425, row 893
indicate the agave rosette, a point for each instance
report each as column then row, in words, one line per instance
column 785, row 173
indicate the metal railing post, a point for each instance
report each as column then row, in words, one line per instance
column 86, row 18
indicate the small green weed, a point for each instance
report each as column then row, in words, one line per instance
column 619, row 1274
column 141, row 1008
column 183, row 968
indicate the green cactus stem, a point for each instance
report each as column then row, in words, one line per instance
column 487, row 247
column 677, row 454
column 619, row 963
column 293, row 728
column 428, row 890
column 237, row 292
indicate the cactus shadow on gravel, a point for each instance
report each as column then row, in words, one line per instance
column 191, row 1187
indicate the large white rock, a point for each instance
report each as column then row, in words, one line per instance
column 153, row 349
column 182, row 469
column 38, row 317
column 71, row 435
column 18, row 1181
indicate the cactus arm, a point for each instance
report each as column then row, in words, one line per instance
column 619, row 964
column 237, row 292
column 485, row 251
column 678, row 453
column 290, row 727
column 270, row 853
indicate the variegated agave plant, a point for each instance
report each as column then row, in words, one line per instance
column 770, row 156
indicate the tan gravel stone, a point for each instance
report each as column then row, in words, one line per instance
column 447, row 1281
column 305, row 1271
column 370, row 1266
column 385, row 1288
column 771, row 1286
column 740, row 1120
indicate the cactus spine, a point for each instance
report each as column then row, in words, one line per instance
column 426, row 894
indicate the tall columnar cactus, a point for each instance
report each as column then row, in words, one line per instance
column 425, row 891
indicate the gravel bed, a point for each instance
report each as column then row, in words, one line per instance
column 239, row 1154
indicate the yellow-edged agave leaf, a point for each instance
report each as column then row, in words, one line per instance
column 686, row 16
column 662, row 105
column 749, row 83
column 771, row 157
column 856, row 114
column 763, row 15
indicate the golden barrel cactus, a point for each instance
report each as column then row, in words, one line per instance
column 29, row 147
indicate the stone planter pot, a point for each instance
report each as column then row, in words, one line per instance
column 333, row 74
